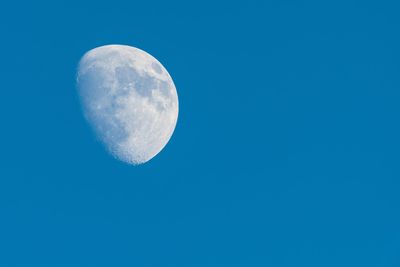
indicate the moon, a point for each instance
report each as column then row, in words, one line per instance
column 129, row 99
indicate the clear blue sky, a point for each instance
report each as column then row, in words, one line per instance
column 286, row 152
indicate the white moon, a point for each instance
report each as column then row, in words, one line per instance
column 129, row 99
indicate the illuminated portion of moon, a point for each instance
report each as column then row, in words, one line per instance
column 129, row 99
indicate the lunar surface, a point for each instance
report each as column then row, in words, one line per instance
column 129, row 99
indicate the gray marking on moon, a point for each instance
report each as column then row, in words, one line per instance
column 156, row 67
column 129, row 99
column 129, row 79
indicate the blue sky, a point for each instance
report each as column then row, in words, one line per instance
column 285, row 153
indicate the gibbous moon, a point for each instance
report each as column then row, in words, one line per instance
column 129, row 99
